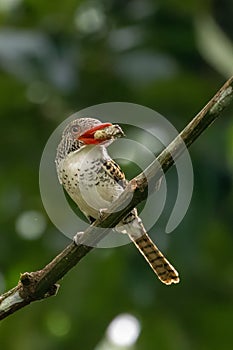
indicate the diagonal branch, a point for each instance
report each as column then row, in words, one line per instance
column 41, row 284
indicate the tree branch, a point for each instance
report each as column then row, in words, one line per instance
column 42, row 284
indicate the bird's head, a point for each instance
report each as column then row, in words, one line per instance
column 86, row 131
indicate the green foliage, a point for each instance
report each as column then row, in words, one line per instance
column 59, row 57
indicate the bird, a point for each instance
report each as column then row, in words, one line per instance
column 94, row 181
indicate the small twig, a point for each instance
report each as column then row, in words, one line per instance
column 42, row 284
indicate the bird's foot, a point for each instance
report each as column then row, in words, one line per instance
column 132, row 185
column 78, row 238
column 102, row 213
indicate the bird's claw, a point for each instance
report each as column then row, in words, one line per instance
column 78, row 238
column 101, row 213
column 132, row 185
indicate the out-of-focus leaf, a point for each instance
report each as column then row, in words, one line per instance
column 214, row 45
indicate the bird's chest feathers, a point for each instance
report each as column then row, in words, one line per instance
column 84, row 177
column 81, row 168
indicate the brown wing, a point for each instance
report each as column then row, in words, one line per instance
column 111, row 182
column 115, row 172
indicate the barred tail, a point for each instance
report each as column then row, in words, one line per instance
column 160, row 265
column 133, row 226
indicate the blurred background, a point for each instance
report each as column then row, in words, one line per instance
column 172, row 56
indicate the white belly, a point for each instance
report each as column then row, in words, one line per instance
column 86, row 181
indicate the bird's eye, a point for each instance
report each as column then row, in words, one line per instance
column 74, row 129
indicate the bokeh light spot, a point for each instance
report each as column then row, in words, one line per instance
column 89, row 18
column 8, row 5
column 30, row 224
column 124, row 330
column 58, row 323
